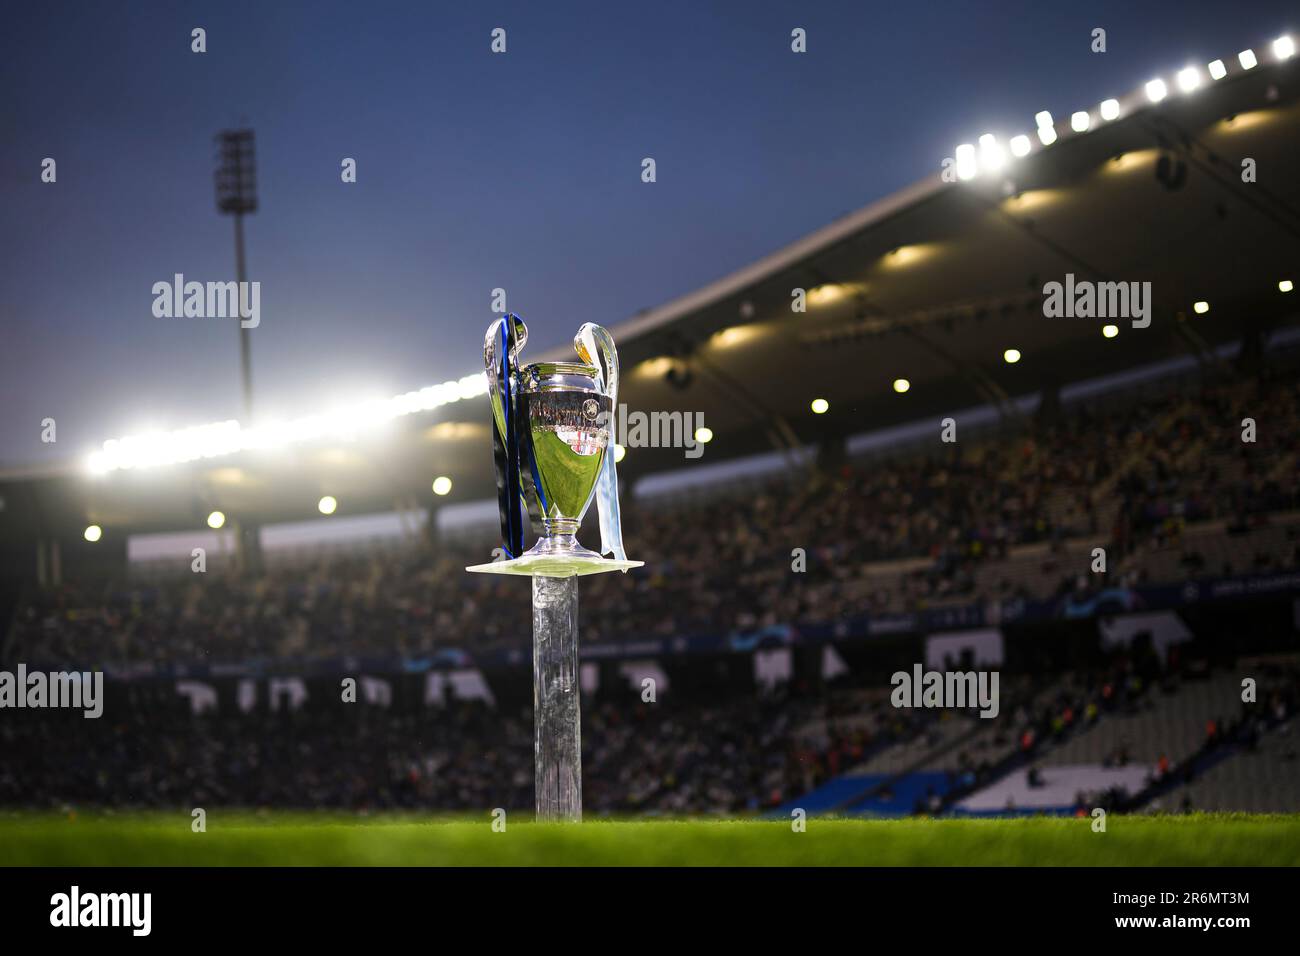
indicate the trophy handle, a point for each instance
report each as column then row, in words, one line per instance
column 494, row 346
column 595, row 346
column 505, row 338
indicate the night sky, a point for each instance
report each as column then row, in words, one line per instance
column 475, row 170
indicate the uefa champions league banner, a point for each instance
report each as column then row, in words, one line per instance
column 1107, row 602
column 293, row 693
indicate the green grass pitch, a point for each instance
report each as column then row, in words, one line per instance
column 293, row 839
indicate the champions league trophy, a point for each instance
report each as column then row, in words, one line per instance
column 553, row 443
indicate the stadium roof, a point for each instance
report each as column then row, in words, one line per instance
column 931, row 284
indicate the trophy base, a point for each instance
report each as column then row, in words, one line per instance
column 555, row 564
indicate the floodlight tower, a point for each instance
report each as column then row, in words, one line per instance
column 236, row 179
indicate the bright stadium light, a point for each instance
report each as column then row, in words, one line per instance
column 822, row 294
column 704, row 435
column 1189, row 78
column 1047, row 135
column 442, row 485
column 901, row 385
column 1217, row 70
column 1247, row 59
column 619, row 452
column 327, row 505
column 216, row 521
column 1079, row 121
column 1011, row 356
column 1043, row 118
column 217, row 439
column 1110, row 331
column 1200, row 308
column 736, row 335
column 1284, row 48
column 820, row 406
column 1020, row 146
column 966, row 165
column 1156, row 91
column 1285, row 286
column 93, row 533
column 1109, row 110
column 992, row 156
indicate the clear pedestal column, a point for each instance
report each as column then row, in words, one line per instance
column 557, row 725
column 557, row 732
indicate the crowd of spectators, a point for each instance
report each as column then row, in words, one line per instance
column 1130, row 471
column 690, row 753
column 1075, row 703
column 738, row 754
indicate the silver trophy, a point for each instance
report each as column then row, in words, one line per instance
column 553, row 441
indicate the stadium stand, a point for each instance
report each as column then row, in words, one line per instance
column 1014, row 516
column 1264, row 779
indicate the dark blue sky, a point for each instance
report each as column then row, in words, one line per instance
column 475, row 170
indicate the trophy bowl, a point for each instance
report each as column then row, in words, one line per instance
column 568, row 420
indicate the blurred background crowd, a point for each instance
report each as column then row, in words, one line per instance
column 897, row 533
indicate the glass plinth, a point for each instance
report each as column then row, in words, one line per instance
column 557, row 722
column 555, row 565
